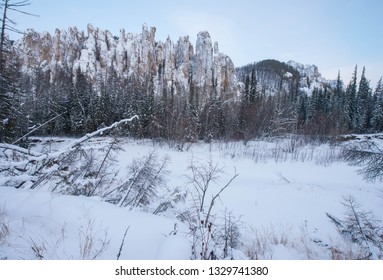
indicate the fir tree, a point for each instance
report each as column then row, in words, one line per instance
column 338, row 105
column 350, row 105
column 10, row 97
column 377, row 111
column 253, row 86
column 12, row 121
column 363, row 106
column 80, row 104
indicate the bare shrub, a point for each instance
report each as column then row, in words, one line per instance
column 205, row 179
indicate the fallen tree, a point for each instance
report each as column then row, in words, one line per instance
column 368, row 155
column 20, row 167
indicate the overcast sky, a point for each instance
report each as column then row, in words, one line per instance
column 332, row 34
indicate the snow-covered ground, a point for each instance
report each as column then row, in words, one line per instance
column 278, row 203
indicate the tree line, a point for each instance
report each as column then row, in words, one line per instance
column 76, row 106
column 70, row 103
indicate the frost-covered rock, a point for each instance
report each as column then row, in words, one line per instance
column 140, row 55
column 310, row 77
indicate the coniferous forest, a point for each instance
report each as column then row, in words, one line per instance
column 72, row 104
column 71, row 83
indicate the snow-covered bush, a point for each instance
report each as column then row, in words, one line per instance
column 146, row 175
column 369, row 155
column 229, row 234
column 171, row 200
column 72, row 169
column 91, row 170
column 359, row 228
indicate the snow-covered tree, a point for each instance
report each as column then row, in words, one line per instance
column 364, row 110
column 377, row 111
column 360, row 227
column 350, row 106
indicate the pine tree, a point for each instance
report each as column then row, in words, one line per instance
column 5, row 108
column 377, row 111
column 146, row 105
column 10, row 101
column 338, row 105
column 350, row 106
column 9, row 74
column 246, row 94
column 364, row 103
column 302, row 111
column 42, row 109
column 253, row 86
column 80, row 104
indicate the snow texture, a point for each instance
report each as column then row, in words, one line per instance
column 281, row 197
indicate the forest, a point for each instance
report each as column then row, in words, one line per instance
column 72, row 105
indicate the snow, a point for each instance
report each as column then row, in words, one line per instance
column 59, row 224
column 174, row 247
column 310, row 77
column 280, row 252
column 281, row 197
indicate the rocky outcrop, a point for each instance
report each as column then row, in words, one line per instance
column 310, row 77
column 171, row 65
column 273, row 76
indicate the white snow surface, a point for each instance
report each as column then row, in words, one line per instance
column 281, row 201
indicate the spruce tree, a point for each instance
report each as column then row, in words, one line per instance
column 337, row 106
column 253, row 86
column 10, row 101
column 377, row 111
column 10, row 98
column 364, row 110
column 80, row 104
column 350, row 106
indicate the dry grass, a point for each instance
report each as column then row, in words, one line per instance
column 90, row 243
column 260, row 242
column 4, row 227
column 342, row 249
